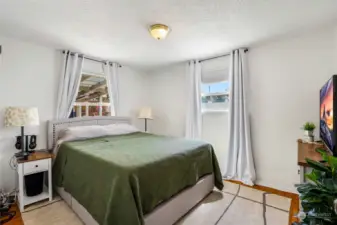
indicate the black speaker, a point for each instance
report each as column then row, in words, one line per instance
column 18, row 143
column 32, row 144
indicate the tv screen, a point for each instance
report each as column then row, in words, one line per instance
column 327, row 114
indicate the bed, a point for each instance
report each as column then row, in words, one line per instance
column 134, row 178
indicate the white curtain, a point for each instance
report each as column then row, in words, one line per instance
column 239, row 164
column 193, row 116
column 111, row 74
column 69, row 84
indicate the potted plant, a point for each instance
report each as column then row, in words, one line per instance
column 319, row 196
column 309, row 128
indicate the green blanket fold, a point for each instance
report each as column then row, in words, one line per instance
column 119, row 179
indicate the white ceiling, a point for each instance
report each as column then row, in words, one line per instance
column 117, row 29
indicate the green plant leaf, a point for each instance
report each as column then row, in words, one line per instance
column 329, row 184
column 332, row 161
column 317, row 165
column 306, row 186
column 314, row 176
column 309, row 126
column 318, row 196
column 323, row 153
column 311, row 200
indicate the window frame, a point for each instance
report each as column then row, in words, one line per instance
column 88, row 104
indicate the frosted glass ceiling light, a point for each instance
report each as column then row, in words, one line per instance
column 159, row 31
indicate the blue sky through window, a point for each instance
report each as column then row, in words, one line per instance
column 215, row 87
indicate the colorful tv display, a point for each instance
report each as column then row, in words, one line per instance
column 327, row 120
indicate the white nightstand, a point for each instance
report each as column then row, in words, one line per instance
column 40, row 161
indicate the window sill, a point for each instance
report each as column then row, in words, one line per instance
column 208, row 111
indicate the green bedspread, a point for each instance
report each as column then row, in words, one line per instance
column 119, row 179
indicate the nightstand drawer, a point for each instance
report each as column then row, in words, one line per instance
column 35, row 166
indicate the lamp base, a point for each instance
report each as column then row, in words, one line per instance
column 23, row 154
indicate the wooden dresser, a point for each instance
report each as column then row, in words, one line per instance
column 307, row 150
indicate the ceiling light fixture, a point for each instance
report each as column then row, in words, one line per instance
column 159, row 31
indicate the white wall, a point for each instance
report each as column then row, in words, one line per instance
column 168, row 99
column 285, row 78
column 29, row 77
column 133, row 94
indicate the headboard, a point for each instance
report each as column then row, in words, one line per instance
column 55, row 126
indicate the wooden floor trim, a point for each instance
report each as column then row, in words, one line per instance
column 295, row 202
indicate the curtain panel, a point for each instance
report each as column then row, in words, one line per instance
column 193, row 115
column 111, row 75
column 69, row 83
column 239, row 161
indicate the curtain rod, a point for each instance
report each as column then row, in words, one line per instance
column 89, row 58
column 219, row 56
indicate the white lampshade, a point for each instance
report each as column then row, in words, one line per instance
column 145, row 113
column 21, row 116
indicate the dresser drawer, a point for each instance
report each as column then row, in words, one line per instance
column 35, row 166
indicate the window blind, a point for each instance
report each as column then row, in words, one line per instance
column 93, row 67
column 215, row 70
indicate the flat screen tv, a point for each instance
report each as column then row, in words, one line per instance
column 328, row 122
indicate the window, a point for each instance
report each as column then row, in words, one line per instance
column 92, row 98
column 215, row 96
column 215, row 84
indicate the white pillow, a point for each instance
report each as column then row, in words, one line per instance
column 116, row 129
column 82, row 132
column 93, row 131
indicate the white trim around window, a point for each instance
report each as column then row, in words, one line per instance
column 79, row 105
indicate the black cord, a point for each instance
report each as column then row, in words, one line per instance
column 229, row 205
column 10, row 216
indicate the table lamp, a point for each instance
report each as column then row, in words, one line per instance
column 21, row 117
column 145, row 113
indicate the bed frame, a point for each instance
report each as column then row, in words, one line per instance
column 166, row 213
